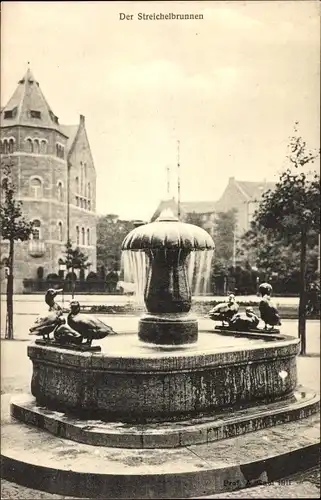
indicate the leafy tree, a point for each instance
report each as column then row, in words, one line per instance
column 292, row 211
column 278, row 257
column 111, row 232
column 224, row 234
column 75, row 259
column 14, row 227
column 225, row 244
column 194, row 218
column 225, row 226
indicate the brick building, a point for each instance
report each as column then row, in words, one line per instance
column 54, row 173
column 243, row 196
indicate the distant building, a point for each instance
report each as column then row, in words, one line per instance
column 55, row 178
column 205, row 210
column 244, row 196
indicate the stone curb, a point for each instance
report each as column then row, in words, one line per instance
column 171, row 435
column 41, row 461
column 172, row 485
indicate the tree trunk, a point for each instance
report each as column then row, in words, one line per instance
column 73, row 284
column 302, row 304
column 9, row 322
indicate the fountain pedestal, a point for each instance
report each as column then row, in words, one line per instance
column 168, row 329
column 168, row 299
column 136, row 382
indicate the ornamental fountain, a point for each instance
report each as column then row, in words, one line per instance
column 159, row 414
column 167, row 294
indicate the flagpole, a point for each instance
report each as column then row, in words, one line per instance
column 168, row 181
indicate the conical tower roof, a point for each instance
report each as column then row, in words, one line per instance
column 28, row 106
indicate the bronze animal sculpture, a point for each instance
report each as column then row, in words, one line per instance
column 268, row 311
column 244, row 321
column 50, row 299
column 225, row 310
column 89, row 328
column 45, row 325
column 64, row 334
column 265, row 289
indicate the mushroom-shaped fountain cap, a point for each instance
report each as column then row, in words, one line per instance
column 168, row 232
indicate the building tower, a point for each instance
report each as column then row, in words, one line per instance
column 55, row 177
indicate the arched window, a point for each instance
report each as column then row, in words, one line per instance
column 85, row 179
column 83, row 236
column 11, row 145
column 43, row 147
column 36, row 230
column 89, row 191
column 88, row 237
column 81, row 178
column 29, row 146
column 89, row 205
column 77, row 201
column 60, row 234
column 5, row 146
column 77, row 235
column 80, row 202
column 36, row 146
column 77, row 184
column 85, row 204
column 60, row 195
column 60, row 151
column 35, row 187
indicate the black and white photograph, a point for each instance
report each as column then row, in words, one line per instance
column 160, row 249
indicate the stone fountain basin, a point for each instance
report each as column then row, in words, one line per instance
column 130, row 381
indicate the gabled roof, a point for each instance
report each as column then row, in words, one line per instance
column 28, row 106
column 198, row 207
column 70, row 131
column 250, row 190
column 254, row 190
column 187, row 207
column 163, row 205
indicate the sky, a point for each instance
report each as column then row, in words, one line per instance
column 228, row 87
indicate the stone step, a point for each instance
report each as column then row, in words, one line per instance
column 205, row 429
column 40, row 460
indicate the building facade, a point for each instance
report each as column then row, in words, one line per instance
column 243, row 196
column 55, row 178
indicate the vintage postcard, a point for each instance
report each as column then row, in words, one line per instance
column 160, row 249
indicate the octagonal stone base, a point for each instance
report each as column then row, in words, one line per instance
column 214, row 427
column 38, row 459
column 134, row 383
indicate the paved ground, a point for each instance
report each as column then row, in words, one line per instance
column 121, row 299
column 16, row 376
column 34, row 304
